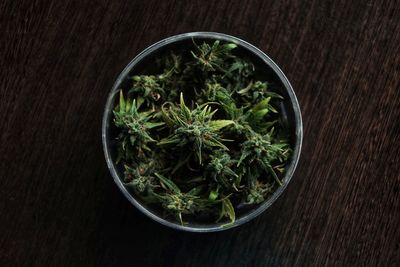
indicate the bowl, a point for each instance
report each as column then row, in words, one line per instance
column 269, row 70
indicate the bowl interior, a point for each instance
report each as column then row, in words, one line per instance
column 266, row 70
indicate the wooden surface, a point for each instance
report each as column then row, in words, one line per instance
column 58, row 203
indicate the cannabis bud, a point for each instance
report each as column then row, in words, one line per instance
column 202, row 136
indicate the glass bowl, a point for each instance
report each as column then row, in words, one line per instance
column 270, row 71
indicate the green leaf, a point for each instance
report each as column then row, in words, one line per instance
column 151, row 125
column 260, row 113
column 214, row 142
column 164, row 114
column 136, row 78
column 269, row 168
column 230, row 46
column 139, row 101
column 269, row 124
column 199, row 159
column 128, row 106
column 198, row 151
column 219, row 124
column 185, row 110
column 168, row 141
column 195, row 191
column 227, row 210
column 246, row 89
column 213, row 195
column 272, row 109
column 168, row 184
column 274, row 95
column 230, row 172
column 244, row 155
column 121, row 101
column 261, row 105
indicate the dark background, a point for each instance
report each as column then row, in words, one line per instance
column 60, row 207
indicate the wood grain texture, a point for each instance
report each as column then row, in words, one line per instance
column 58, row 203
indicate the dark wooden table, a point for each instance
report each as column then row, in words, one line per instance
column 58, row 203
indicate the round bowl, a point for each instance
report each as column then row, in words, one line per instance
column 289, row 107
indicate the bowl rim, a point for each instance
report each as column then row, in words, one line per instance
column 267, row 60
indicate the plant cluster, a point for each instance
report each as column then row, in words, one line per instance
column 203, row 136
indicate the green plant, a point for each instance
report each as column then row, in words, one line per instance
column 202, row 136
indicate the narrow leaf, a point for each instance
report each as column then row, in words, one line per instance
column 219, row 124
column 121, row 101
column 168, row 184
column 261, row 105
column 168, row 141
column 227, row 210
column 260, row 113
column 151, row 125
